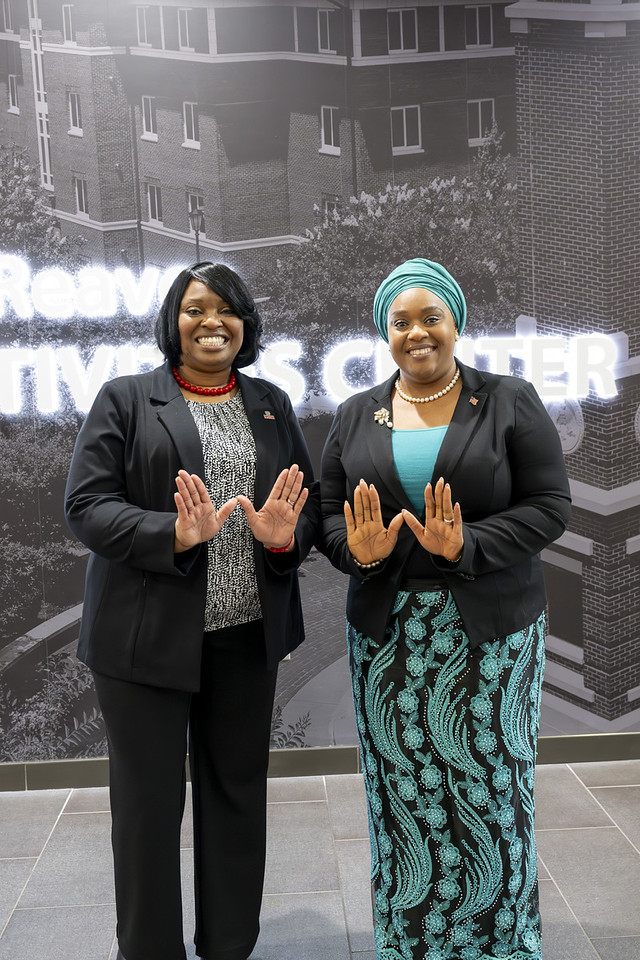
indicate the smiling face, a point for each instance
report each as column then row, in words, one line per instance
column 210, row 336
column 422, row 335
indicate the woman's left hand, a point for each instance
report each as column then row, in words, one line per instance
column 442, row 530
column 275, row 523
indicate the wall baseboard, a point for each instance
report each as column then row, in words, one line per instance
column 310, row 761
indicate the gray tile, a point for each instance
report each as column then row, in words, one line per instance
column 618, row 948
column 300, row 854
column 543, row 873
column 75, row 867
column 67, row 933
column 615, row 773
column 563, row 801
column 354, row 866
column 623, row 805
column 13, row 876
column 188, row 897
column 186, row 833
column 562, row 936
column 88, row 800
column 295, row 788
column 32, row 817
column 598, row 873
column 302, row 927
column 367, row 955
column 347, row 807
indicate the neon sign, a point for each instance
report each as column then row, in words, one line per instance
column 559, row 367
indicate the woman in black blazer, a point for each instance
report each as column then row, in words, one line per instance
column 190, row 604
column 439, row 489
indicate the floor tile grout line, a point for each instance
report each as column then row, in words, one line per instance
column 603, row 826
column 65, row 906
column 302, row 893
column 610, row 786
column 596, row 956
column 36, row 862
column 618, row 827
column 338, row 874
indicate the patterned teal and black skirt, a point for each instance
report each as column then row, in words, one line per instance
column 448, row 738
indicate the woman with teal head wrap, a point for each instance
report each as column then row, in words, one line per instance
column 419, row 273
column 445, row 625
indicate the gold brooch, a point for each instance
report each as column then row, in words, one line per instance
column 382, row 416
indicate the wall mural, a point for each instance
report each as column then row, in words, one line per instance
column 312, row 148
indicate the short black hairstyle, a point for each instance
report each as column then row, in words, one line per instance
column 227, row 284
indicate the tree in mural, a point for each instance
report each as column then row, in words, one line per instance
column 323, row 289
column 28, row 225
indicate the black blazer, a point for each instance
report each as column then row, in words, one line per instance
column 503, row 459
column 143, row 616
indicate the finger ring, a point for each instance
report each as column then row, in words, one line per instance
column 448, row 521
column 292, row 502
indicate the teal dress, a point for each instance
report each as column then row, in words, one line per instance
column 448, row 739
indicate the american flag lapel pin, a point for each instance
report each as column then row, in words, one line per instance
column 473, row 400
column 268, row 415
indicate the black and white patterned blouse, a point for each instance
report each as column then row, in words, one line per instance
column 229, row 453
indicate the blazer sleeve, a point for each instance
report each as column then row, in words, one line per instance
column 333, row 483
column 98, row 503
column 540, row 502
column 307, row 527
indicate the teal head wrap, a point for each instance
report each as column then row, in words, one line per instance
column 419, row 273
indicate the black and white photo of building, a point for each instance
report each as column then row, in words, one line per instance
column 163, row 133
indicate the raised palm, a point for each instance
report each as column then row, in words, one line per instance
column 441, row 533
column 198, row 520
column 367, row 537
column 275, row 523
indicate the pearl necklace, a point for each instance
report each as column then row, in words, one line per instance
column 205, row 391
column 434, row 396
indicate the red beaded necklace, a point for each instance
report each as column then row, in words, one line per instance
column 206, row 391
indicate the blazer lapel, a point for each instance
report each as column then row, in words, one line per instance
column 464, row 422
column 174, row 415
column 379, row 445
column 263, row 420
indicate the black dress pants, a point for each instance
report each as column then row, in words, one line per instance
column 227, row 724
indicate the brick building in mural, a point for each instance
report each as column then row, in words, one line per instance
column 253, row 113
column 578, row 87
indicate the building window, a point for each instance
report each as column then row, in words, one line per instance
column 326, row 27
column 478, row 27
column 195, row 201
column 14, row 103
column 330, row 130
column 143, row 29
column 402, row 30
column 149, row 124
column 154, row 200
column 480, row 119
column 191, row 125
column 75, row 114
column 330, row 204
column 81, row 195
column 68, row 26
column 7, row 17
column 406, row 132
column 183, row 30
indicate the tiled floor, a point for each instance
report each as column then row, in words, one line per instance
column 56, row 897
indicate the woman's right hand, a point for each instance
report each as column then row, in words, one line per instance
column 198, row 520
column 367, row 537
